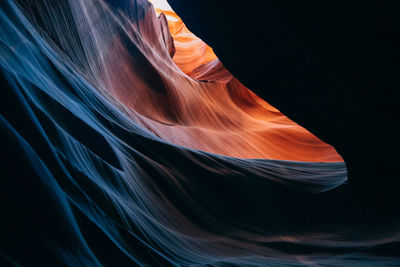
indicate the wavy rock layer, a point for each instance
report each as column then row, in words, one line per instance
column 213, row 112
column 106, row 153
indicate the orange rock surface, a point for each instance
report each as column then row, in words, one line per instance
column 193, row 101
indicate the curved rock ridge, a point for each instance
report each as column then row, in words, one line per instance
column 114, row 156
column 210, row 110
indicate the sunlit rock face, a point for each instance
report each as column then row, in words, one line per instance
column 190, row 51
column 124, row 147
column 193, row 101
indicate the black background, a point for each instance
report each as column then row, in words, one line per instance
column 332, row 67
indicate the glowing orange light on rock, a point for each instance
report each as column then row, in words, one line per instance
column 193, row 101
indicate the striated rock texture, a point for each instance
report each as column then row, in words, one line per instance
column 216, row 114
column 331, row 66
column 126, row 142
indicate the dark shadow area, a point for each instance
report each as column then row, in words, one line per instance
column 330, row 66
